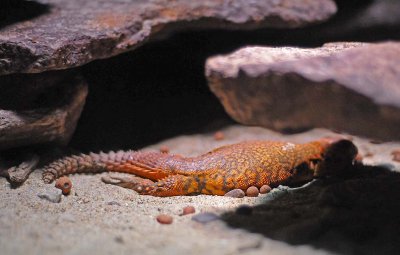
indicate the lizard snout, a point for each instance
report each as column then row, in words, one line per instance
column 338, row 158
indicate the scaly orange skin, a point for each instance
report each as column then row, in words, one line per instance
column 236, row 166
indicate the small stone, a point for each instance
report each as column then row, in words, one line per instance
column 113, row 203
column 244, row 210
column 205, row 217
column 218, row 136
column 53, row 196
column 252, row 191
column 265, row 189
column 65, row 184
column 164, row 149
column 164, row 219
column 119, row 239
column 188, row 210
column 236, row 193
column 396, row 155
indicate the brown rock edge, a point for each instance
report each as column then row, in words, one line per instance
column 350, row 87
column 67, row 34
column 61, row 98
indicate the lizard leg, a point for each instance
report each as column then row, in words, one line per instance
column 125, row 181
column 173, row 185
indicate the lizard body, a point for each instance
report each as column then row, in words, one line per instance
column 237, row 166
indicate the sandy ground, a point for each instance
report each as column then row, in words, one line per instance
column 104, row 219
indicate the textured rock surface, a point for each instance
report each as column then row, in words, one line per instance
column 40, row 108
column 71, row 33
column 343, row 86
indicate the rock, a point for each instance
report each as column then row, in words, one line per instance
column 164, row 219
column 164, row 149
column 350, row 87
column 236, row 193
column 68, row 34
column 265, row 189
column 188, row 210
column 114, row 203
column 53, row 195
column 205, row 217
column 252, row 191
column 17, row 173
column 396, row 155
column 37, row 109
column 64, row 184
column 219, row 135
column 119, row 239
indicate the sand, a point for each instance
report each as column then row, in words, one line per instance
column 98, row 218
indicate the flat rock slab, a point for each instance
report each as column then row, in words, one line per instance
column 71, row 33
column 40, row 108
column 350, row 87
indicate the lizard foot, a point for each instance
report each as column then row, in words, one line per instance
column 174, row 185
column 129, row 182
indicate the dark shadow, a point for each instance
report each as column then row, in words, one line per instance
column 159, row 90
column 356, row 215
column 24, row 92
column 156, row 92
column 13, row 11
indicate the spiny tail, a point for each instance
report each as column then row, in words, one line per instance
column 83, row 163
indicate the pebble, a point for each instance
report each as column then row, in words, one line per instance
column 236, row 193
column 188, row 210
column 164, row 219
column 252, row 191
column 265, row 189
column 205, row 217
column 53, row 196
column 244, row 210
column 113, row 203
column 65, row 184
column 218, row 136
column 396, row 155
column 164, row 149
column 119, row 239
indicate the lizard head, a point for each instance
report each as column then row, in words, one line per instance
column 338, row 157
